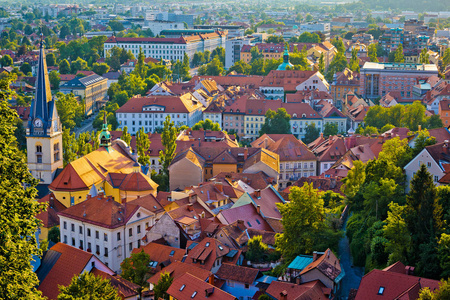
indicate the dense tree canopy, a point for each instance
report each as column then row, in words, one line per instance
column 276, row 122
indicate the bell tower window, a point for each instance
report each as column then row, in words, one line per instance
column 56, row 152
column 39, row 154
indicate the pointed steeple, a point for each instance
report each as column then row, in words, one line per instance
column 286, row 62
column 105, row 136
column 44, row 120
column 93, row 192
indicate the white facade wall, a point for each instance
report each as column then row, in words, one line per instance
column 157, row 26
column 325, row 166
column 150, row 120
column 313, row 83
column 216, row 117
column 298, row 126
column 423, row 158
column 111, row 246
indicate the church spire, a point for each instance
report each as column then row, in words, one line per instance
column 105, row 136
column 286, row 62
column 43, row 110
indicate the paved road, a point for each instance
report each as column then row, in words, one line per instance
column 193, row 72
column 353, row 275
column 86, row 125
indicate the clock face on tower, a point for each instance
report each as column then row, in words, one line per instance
column 37, row 123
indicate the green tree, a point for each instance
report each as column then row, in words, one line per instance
column 434, row 122
column 321, row 64
column 330, row 128
column 444, row 254
column 396, row 232
column 25, row 68
column 240, row 67
column 65, row 30
column 399, row 57
column 254, row 52
column 258, row 67
column 339, row 44
column 50, row 59
column 354, row 61
column 198, row 59
column 424, row 57
column 338, row 64
column 6, row 61
column 311, row 133
column 160, row 289
column 54, row 78
column 78, row 65
column 206, row 125
column 141, row 68
column 442, row 293
column 256, row 249
column 354, row 180
column 70, row 146
column 214, row 68
column 446, row 58
column 396, row 151
column 126, row 137
column 54, row 234
column 116, row 25
column 168, row 140
column 303, row 218
column 64, row 67
column 386, row 127
column 422, row 140
column 276, row 39
column 276, row 122
column 373, row 53
column 136, row 268
column 218, row 52
column 88, row 286
column 70, row 112
column 142, row 146
column 100, row 69
column 18, row 209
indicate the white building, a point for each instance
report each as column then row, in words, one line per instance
column 233, row 50
column 108, row 229
column 150, row 112
column 168, row 48
column 434, row 158
column 157, row 26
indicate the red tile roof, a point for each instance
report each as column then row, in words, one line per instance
column 287, row 146
column 101, row 211
column 289, row 80
column 248, row 214
column 257, row 181
column 252, row 81
column 237, row 273
column 207, row 251
column 125, row 288
column 301, row 111
column 395, row 286
column 290, row 291
column 178, row 268
column 188, row 287
column 172, row 104
column 71, row 262
column 135, row 181
column 161, row 253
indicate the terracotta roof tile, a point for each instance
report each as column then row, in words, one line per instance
column 161, row 253
column 188, row 286
column 172, row 104
column 290, row 291
column 238, row 273
column 178, row 268
column 248, row 214
column 50, row 216
column 125, row 288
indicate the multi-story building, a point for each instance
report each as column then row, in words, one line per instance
column 316, row 27
column 378, row 79
column 343, row 83
column 410, row 41
column 365, row 38
column 157, row 26
column 444, row 112
column 233, row 48
column 277, row 83
column 107, row 228
column 150, row 112
column 255, row 115
column 302, row 115
column 296, row 160
column 92, row 90
column 168, row 48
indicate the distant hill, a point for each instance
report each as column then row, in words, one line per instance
column 415, row 5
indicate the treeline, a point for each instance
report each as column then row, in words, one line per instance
column 388, row 225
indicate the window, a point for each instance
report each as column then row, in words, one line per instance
column 72, row 227
column 65, row 225
column 73, row 242
column 106, row 252
column 247, row 286
column 105, row 237
column 130, row 246
column 65, row 239
column 81, row 244
column 139, row 229
column 97, row 249
column 80, row 230
column 89, row 249
column 97, row 235
column 436, row 178
column 89, row 232
column 429, row 164
column 118, row 236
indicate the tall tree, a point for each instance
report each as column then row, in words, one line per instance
column 276, row 122
column 424, row 57
column 168, row 140
column 54, row 78
column 126, row 137
column 354, row 61
column 330, row 128
column 446, row 58
column 311, row 134
column 354, row 180
column 88, row 286
column 373, row 53
column 162, row 286
column 64, row 66
column 70, row 146
column 303, row 218
column 399, row 57
column 135, row 268
column 321, row 64
column 18, row 209
column 142, row 146
column 206, row 125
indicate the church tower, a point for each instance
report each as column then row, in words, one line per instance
column 44, row 133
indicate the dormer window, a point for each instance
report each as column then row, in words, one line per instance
column 380, row 290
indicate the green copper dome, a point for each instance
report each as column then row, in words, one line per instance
column 105, row 135
column 286, row 62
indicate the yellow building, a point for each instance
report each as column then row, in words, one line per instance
column 92, row 89
column 111, row 168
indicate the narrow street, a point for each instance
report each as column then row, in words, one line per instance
column 86, row 125
column 353, row 274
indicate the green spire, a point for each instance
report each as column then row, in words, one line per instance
column 286, row 62
column 105, row 136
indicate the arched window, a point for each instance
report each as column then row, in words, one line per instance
column 39, row 154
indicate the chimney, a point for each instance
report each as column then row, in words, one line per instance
column 245, row 153
column 209, row 292
column 190, row 207
column 257, row 193
column 283, row 295
column 51, row 201
column 218, row 185
column 321, row 134
column 314, row 255
column 211, row 279
column 445, row 146
column 265, row 143
column 240, row 222
column 420, row 127
column 258, row 209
